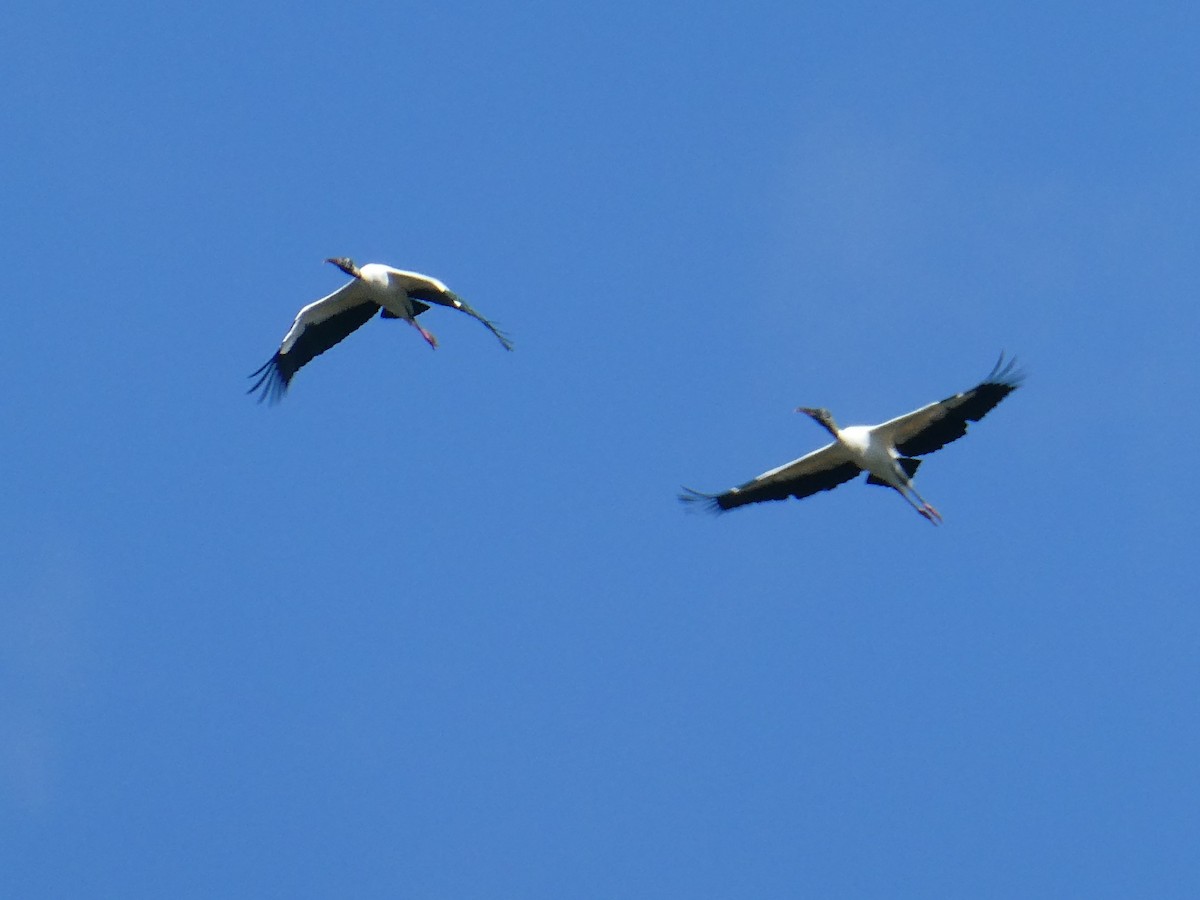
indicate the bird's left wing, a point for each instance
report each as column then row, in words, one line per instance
column 431, row 290
column 934, row 426
column 820, row 470
column 446, row 297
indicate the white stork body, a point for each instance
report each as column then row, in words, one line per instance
column 884, row 451
column 394, row 293
column 873, row 449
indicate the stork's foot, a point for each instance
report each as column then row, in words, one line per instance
column 429, row 338
column 931, row 514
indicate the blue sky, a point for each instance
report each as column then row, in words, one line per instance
column 436, row 625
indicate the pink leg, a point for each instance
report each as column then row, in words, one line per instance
column 425, row 334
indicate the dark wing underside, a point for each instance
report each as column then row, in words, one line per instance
column 429, row 295
column 938, row 424
column 821, row 470
column 276, row 374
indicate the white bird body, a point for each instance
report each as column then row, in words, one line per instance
column 391, row 287
column 395, row 293
column 376, row 283
column 871, row 449
column 884, row 451
column 864, row 447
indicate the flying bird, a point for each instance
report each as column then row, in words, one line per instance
column 393, row 293
column 884, row 451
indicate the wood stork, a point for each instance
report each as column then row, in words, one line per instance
column 885, row 451
column 394, row 293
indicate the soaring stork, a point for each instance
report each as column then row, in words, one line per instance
column 374, row 287
column 885, row 451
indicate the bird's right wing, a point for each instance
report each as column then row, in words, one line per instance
column 316, row 328
column 820, row 470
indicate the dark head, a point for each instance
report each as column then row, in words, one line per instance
column 346, row 264
column 822, row 417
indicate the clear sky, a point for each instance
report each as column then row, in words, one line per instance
column 436, row 626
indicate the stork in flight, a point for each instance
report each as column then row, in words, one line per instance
column 394, row 293
column 885, row 451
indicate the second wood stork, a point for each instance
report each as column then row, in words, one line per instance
column 393, row 293
column 884, row 451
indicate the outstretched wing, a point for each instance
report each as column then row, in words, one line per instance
column 934, row 426
column 431, row 290
column 446, row 297
column 317, row 327
column 821, row 470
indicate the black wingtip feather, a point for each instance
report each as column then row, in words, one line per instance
column 1005, row 374
column 505, row 340
column 272, row 381
column 710, row 502
column 463, row 306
